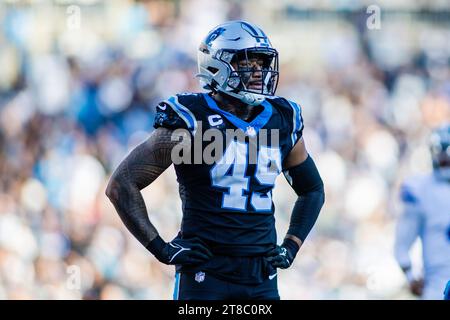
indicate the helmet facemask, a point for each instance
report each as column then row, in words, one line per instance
column 255, row 64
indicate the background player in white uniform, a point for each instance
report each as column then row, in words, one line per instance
column 426, row 215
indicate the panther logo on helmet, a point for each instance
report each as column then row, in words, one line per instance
column 213, row 35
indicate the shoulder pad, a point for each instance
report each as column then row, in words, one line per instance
column 175, row 113
column 293, row 111
column 411, row 188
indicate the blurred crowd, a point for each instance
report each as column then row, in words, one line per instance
column 79, row 84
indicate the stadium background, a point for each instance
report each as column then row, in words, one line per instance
column 79, row 81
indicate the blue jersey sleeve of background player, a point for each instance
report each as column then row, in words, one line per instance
column 297, row 122
column 447, row 291
column 410, row 190
column 172, row 114
column 407, row 194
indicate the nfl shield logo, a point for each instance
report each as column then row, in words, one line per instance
column 199, row 276
column 250, row 131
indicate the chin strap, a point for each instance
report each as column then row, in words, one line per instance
column 246, row 97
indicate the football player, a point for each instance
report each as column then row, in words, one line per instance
column 227, row 246
column 426, row 202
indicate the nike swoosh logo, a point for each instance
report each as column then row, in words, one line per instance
column 162, row 107
column 272, row 276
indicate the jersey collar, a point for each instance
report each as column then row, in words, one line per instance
column 253, row 126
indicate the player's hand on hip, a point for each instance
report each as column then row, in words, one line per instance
column 180, row 251
column 283, row 256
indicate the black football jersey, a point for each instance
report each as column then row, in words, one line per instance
column 228, row 202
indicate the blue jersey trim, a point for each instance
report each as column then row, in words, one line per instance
column 176, row 291
column 183, row 112
column 297, row 121
column 257, row 123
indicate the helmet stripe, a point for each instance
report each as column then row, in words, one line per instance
column 255, row 33
column 262, row 32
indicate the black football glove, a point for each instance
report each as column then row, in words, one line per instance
column 179, row 251
column 283, row 256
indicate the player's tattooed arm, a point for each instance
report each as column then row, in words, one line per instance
column 139, row 169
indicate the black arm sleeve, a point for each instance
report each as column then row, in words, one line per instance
column 307, row 183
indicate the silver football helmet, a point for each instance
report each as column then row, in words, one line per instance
column 440, row 151
column 225, row 62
